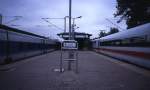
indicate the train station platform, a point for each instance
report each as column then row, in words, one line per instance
column 96, row 72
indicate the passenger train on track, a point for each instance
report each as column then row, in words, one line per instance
column 16, row 44
column 132, row 45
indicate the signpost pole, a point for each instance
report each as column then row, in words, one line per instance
column 70, row 33
column 69, row 45
column 70, row 16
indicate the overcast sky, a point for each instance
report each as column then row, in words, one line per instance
column 93, row 12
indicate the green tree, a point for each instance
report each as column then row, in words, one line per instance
column 135, row 12
column 113, row 30
column 102, row 33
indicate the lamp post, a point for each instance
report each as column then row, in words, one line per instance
column 73, row 26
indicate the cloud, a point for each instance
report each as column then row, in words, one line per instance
column 93, row 14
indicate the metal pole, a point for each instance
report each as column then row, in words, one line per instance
column 73, row 25
column 1, row 19
column 76, row 61
column 64, row 24
column 70, row 54
column 61, row 62
column 70, row 16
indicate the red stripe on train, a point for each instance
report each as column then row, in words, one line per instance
column 130, row 53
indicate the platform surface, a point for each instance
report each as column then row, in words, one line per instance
column 96, row 72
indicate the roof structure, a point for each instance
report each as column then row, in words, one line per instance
column 76, row 34
column 19, row 31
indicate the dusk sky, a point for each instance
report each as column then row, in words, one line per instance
column 93, row 12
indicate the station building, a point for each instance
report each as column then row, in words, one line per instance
column 83, row 39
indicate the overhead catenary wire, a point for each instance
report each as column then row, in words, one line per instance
column 45, row 19
column 114, row 24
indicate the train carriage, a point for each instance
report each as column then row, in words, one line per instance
column 16, row 44
column 132, row 45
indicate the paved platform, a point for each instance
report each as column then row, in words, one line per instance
column 96, row 72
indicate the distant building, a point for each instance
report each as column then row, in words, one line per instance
column 83, row 39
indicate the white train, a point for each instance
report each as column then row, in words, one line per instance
column 16, row 44
column 132, row 45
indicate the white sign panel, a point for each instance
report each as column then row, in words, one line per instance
column 69, row 45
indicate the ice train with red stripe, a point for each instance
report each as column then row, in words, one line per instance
column 132, row 45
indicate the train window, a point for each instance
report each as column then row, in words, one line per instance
column 138, row 39
column 20, row 46
column 118, row 42
column 125, row 41
column 141, row 41
column 99, row 43
column 135, row 41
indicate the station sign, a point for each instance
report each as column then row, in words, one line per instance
column 69, row 44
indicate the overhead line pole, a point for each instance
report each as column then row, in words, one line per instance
column 1, row 19
column 70, row 16
column 64, row 24
column 73, row 26
column 65, row 21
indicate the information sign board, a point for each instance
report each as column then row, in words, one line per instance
column 69, row 44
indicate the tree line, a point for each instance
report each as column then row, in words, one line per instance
column 135, row 12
